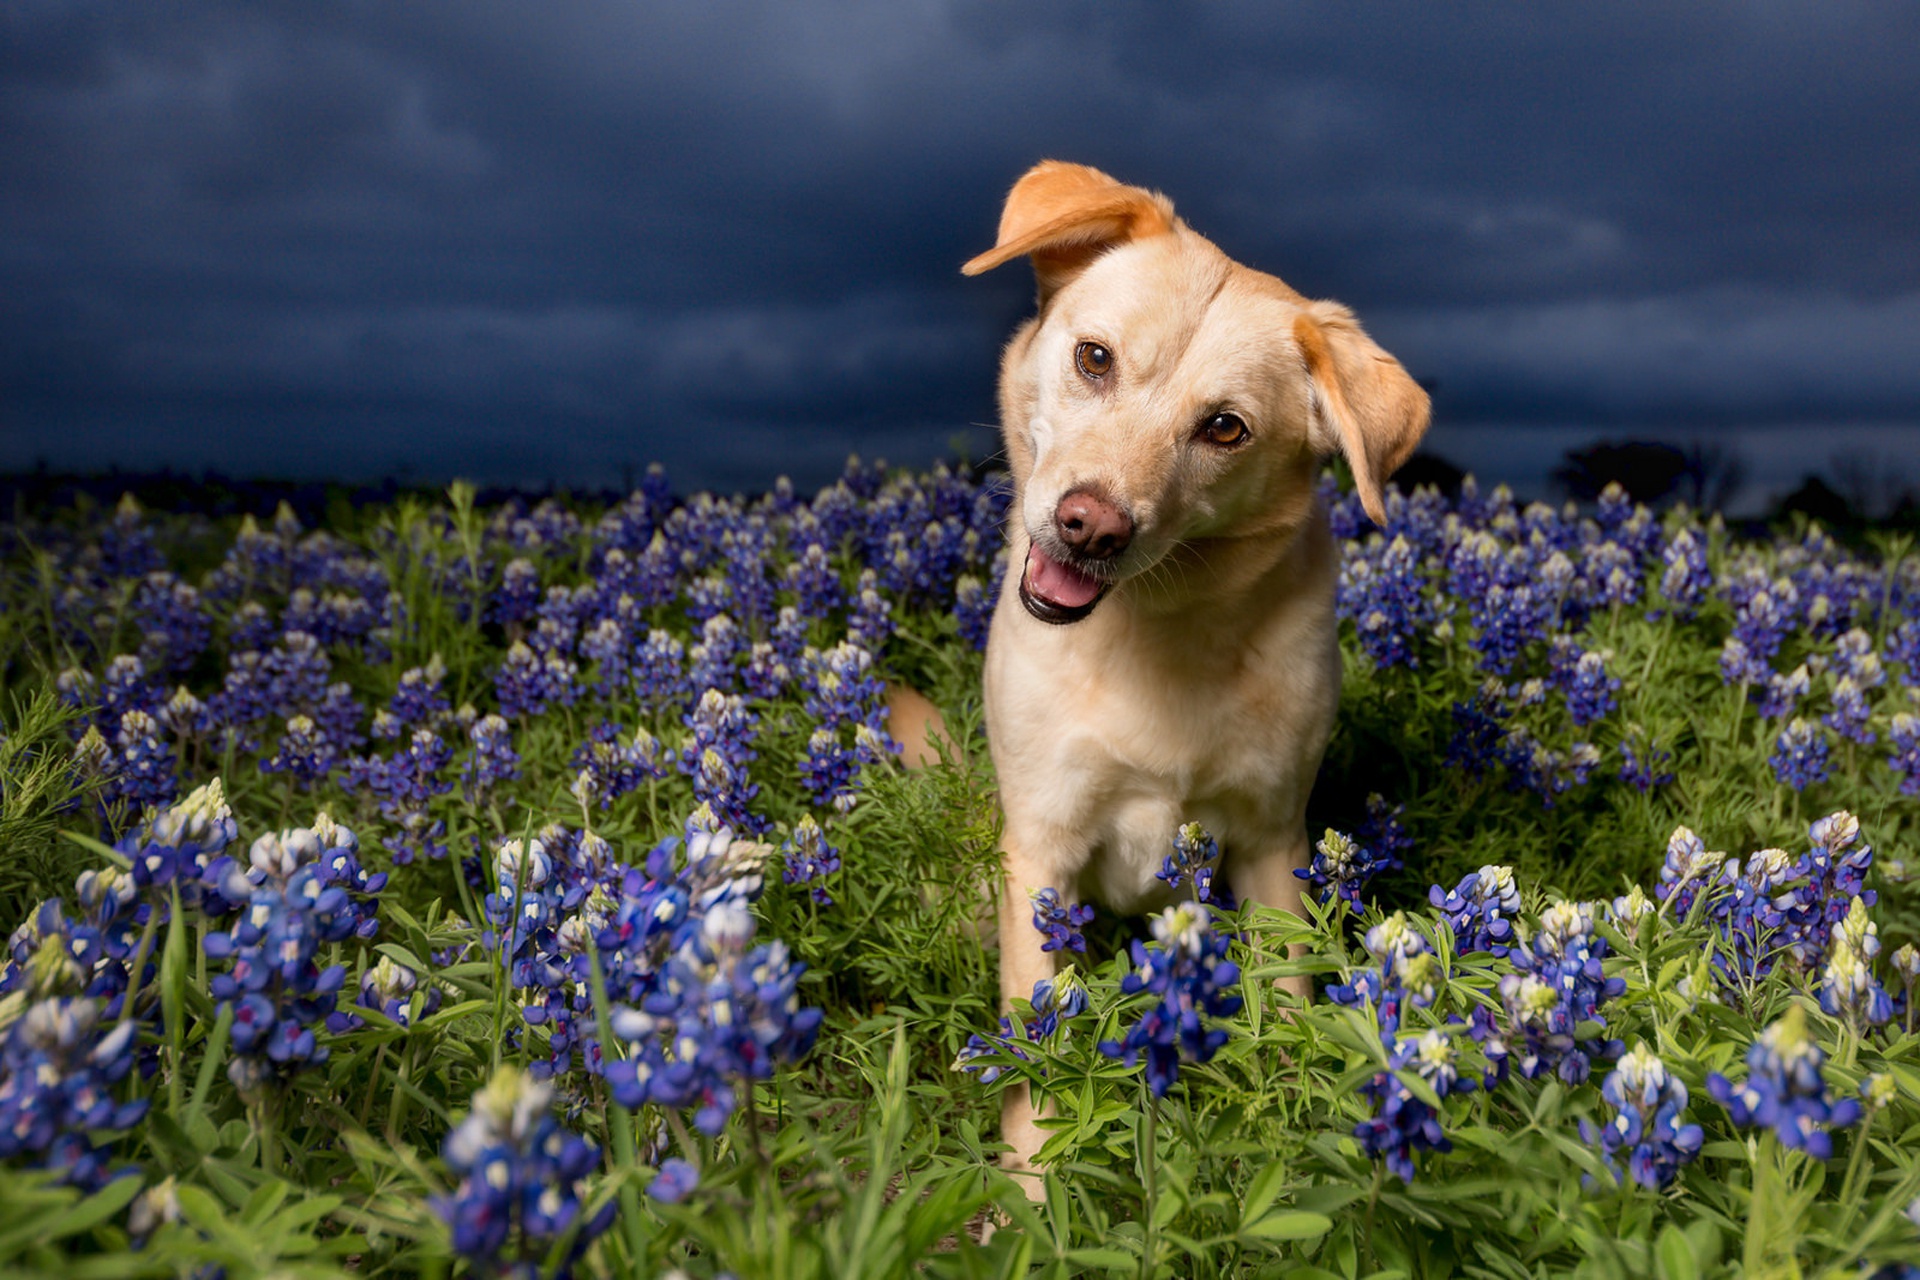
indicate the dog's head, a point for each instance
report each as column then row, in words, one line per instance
column 1165, row 396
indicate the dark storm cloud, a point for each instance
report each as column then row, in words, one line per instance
column 556, row 241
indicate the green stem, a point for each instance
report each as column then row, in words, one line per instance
column 619, row 1119
column 1148, row 1154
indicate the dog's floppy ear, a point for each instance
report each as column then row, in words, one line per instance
column 1066, row 215
column 1364, row 404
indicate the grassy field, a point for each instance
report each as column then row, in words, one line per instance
column 532, row 889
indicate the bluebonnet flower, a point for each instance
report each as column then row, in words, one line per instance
column 1642, row 761
column 1480, row 910
column 527, row 683
column 1903, row 649
column 1688, row 870
column 814, row 580
column 1781, row 694
column 717, row 755
column 809, row 859
column 973, row 604
column 420, row 701
column 675, row 1181
column 1403, row 1124
column 713, row 662
column 1800, row 754
column 1196, row 855
column 1380, row 829
column 493, row 760
column 125, row 687
column 1685, row 582
column 1850, row 712
column 1192, row 981
column 1848, row 988
column 59, row 1065
column 1055, row 1000
column 517, row 597
column 184, row 846
column 339, row 715
column 388, row 987
column 1534, row 766
column 1385, row 595
column 296, row 672
column 1785, row 1091
column 1505, row 621
column 142, row 773
column 174, row 628
column 1405, row 971
column 126, row 545
column 828, row 769
column 718, row 1009
column 518, row 1170
column 1060, row 921
column 659, row 675
column 1763, row 619
column 1583, row 678
column 304, row 753
column 303, row 888
column 1559, row 984
column 1342, row 867
column 1649, row 1104
column 1903, row 737
column 870, row 621
column 605, row 645
column 613, row 768
column 841, row 686
column 1478, row 729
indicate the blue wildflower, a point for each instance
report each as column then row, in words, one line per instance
column 60, row 1063
column 809, row 859
column 1784, row 1090
column 1342, row 867
column 1648, row 1104
column 1480, row 910
column 1195, row 854
column 518, row 1170
column 1191, row 980
column 1060, row 921
column 1402, row 1123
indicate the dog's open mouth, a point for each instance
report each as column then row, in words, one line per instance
column 1055, row 592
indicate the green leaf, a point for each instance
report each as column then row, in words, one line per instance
column 1675, row 1254
column 1289, row 1224
column 1262, row 1192
column 92, row 1211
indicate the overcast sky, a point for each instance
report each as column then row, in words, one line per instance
column 560, row 240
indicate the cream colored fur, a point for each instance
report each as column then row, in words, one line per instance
column 1202, row 686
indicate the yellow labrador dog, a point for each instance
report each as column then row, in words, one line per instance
column 1164, row 650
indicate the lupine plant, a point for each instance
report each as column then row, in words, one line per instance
column 531, row 888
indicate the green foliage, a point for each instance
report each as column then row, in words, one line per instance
column 873, row 1157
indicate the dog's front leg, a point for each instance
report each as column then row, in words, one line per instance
column 1022, row 963
column 1266, row 876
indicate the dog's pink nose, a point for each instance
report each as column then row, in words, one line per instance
column 1091, row 526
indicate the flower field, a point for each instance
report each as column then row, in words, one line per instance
column 536, row 890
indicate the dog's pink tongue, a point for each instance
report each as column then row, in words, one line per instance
column 1051, row 580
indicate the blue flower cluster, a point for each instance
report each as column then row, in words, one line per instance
column 1559, row 983
column 1060, row 921
column 522, row 1181
column 1187, row 973
column 60, row 1061
column 303, row 890
column 1784, row 1090
column 1343, row 867
column 1649, row 1106
column 1403, row 1123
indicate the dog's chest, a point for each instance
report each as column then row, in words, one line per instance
column 1109, row 752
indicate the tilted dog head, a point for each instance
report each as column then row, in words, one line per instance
column 1166, row 396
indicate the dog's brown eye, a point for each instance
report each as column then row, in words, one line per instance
column 1094, row 360
column 1224, row 429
